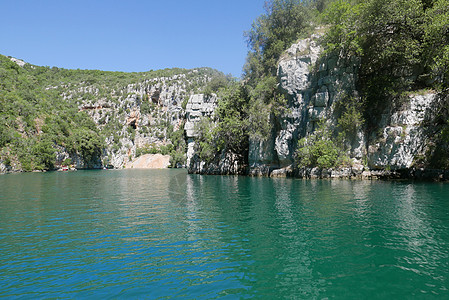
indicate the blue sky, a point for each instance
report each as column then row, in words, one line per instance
column 128, row 35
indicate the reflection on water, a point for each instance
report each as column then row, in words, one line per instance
column 164, row 233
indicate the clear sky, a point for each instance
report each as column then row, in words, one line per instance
column 128, row 35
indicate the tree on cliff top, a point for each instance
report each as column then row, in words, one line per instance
column 437, row 40
column 403, row 46
column 283, row 23
column 272, row 33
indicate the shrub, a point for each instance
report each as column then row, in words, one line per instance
column 205, row 145
column 351, row 118
column 177, row 157
column 67, row 162
column 44, row 154
column 319, row 150
column 319, row 153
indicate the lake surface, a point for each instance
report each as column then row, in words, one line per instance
column 163, row 234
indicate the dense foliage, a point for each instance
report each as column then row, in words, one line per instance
column 35, row 120
column 228, row 129
column 272, row 33
column 403, row 45
column 318, row 150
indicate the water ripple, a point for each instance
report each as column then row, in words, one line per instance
column 165, row 234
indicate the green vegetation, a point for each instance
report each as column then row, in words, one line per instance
column 273, row 32
column 351, row 117
column 284, row 22
column 317, row 152
column 321, row 150
column 205, row 142
column 228, row 131
column 402, row 47
column 178, row 139
column 176, row 149
column 45, row 111
column 36, row 120
column 154, row 149
column 216, row 84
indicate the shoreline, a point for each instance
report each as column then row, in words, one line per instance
column 418, row 174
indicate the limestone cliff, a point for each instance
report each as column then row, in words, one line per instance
column 225, row 163
column 141, row 115
column 318, row 87
column 92, row 118
column 313, row 85
column 197, row 107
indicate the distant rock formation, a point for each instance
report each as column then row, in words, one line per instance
column 150, row 161
column 142, row 112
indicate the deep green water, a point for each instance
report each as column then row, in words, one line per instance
column 165, row 234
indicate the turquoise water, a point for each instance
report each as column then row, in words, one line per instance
column 164, row 234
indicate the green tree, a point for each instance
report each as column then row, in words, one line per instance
column 205, row 145
column 232, row 113
column 437, row 41
column 216, row 83
column 44, row 155
column 272, row 33
column 343, row 35
column 388, row 36
column 319, row 150
column 87, row 143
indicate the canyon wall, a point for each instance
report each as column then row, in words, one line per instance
column 318, row 88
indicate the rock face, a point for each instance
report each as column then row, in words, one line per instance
column 19, row 62
column 262, row 156
column 403, row 136
column 150, row 161
column 296, row 63
column 134, row 113
column 140, row 115
column 317, row 87
column 313, row 85
column 294, row 73
column 200, row 106
column 226, row 164
column 197, row 107
column 3, row 168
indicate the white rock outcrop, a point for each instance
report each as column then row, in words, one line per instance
column 150, row 161
column 315, row 84
column 198, row 106
column 296, row 63
column 403, row 135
